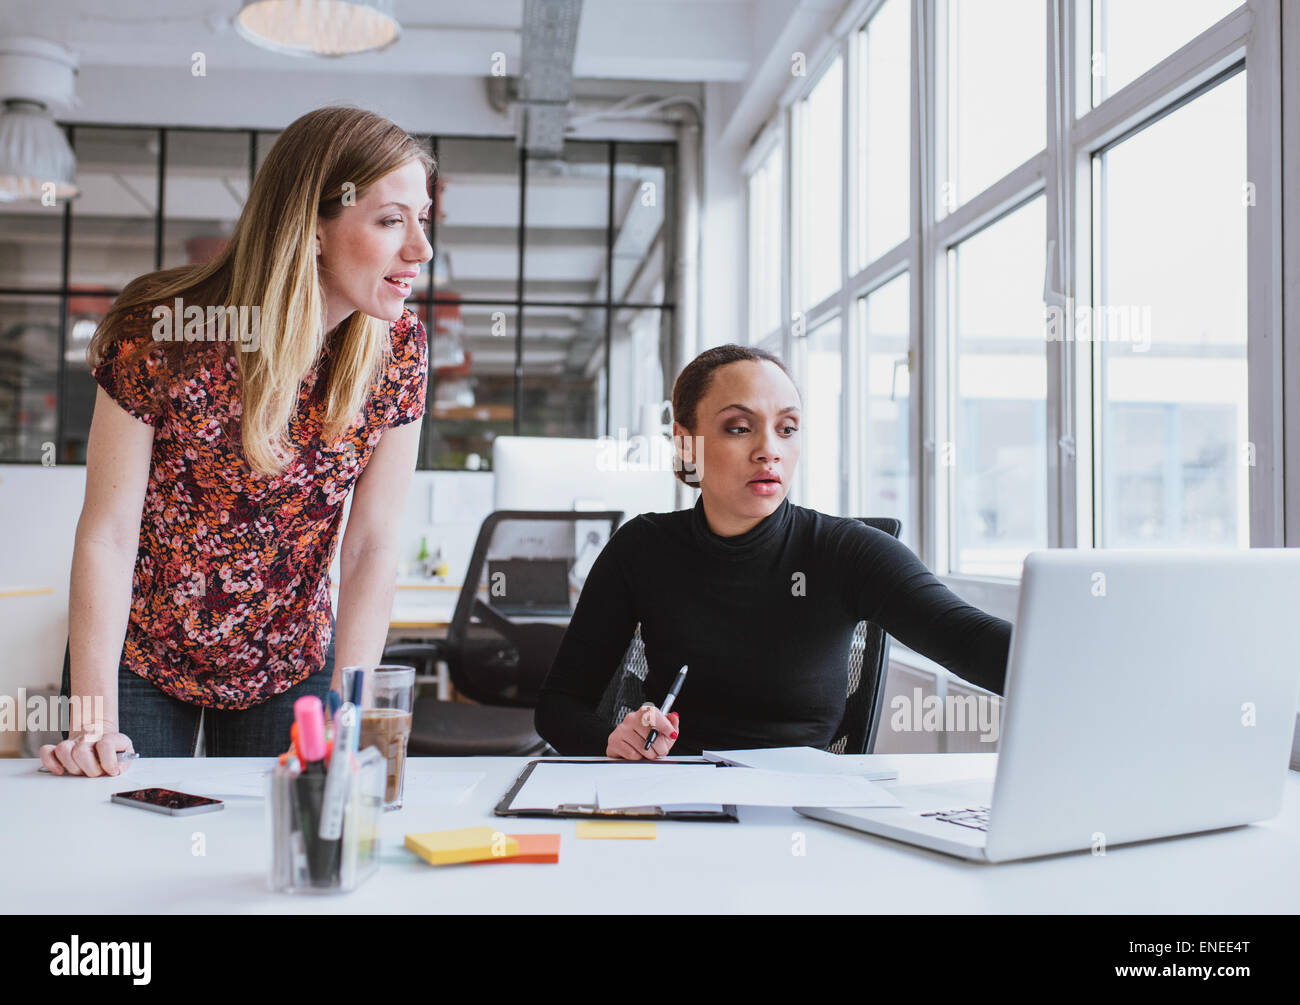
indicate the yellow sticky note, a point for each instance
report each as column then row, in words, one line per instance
column 616, row 828
column 470, row 844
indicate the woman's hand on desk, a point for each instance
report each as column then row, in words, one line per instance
column 87, row 753
column 628, row 739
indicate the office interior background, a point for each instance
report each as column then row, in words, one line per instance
column 1028, row 259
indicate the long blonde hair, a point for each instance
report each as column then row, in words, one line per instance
column 270, row 261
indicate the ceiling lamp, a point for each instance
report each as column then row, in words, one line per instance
column 319, row 27
column 35, row 159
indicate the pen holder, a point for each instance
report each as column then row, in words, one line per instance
column 300, row 861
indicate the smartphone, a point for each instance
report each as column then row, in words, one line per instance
column 176, row 804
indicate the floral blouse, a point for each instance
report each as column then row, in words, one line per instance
column 230, row 598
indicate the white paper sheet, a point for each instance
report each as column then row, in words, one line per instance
column 439, row 788
column 742, row 787
column 551, row 784
column 228, row 785
column 809, row 759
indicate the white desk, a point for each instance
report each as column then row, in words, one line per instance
column 65, row 849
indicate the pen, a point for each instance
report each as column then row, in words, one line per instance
column 336, row 780
column 123, row 756
column 668, row 704
column 332, row 704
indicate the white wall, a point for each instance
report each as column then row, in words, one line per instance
column 39, row 509
column 722, row 227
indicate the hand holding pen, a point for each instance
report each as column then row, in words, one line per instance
column 649, row 732
column 678, row 681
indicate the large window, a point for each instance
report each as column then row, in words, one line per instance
column 765, row 241
column 883, row 132
column 1169, row 321
column 820, row 371
column 569, row 345
column 882, row 322
column 996, row 96
column 818, row 135
column 1131, row 36
column 996, row 447
column 1070, row 215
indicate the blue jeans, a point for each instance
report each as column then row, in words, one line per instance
column 162, row 726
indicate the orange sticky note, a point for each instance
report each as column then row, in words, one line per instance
column 535, row 848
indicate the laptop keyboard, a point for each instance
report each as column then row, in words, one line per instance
column 976, row 817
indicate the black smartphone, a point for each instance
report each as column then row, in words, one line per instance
column 176, row 804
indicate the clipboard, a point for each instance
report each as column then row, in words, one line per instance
column 587, row 811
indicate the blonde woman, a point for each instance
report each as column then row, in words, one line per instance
column 219, row 458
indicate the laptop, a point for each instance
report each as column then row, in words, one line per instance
column 1148, row 694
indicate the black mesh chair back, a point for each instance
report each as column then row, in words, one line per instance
column 626, row 689
column 868, row 663
column 523, row 579
column 868, row 660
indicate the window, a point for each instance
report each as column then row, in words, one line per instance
column 205, row 185
column 884, row 132
column 996, row 447
column 883, row 322
column 996, row 97
column 1169, row 321
column 565, row 219
column 818, row 365
column 765, row 239
column 819, row 133
column 1079, row 288
column 1131, row 36
column 528, row 353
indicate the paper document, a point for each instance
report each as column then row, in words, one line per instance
column 439, row 788
column 224, row 785
column 741, row 787
column 550, row 785
column 820, row 762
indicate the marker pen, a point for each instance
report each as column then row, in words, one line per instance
column 668, row 704
column 322, row 855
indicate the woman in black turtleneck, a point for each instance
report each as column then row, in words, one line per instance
column 758, row 596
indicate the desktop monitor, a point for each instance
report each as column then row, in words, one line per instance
column 537, row 472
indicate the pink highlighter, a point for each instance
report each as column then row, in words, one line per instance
column 309, row 787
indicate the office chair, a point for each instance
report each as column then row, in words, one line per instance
column 868, row 660
column 526, row 565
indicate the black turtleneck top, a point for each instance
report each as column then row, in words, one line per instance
column 764, row 620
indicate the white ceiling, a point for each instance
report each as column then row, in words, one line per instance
column 677, row 40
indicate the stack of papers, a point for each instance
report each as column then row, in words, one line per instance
column 811, row 759
column 551, row 785
column 739, row 787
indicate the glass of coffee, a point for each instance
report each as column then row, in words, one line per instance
column 386, row 696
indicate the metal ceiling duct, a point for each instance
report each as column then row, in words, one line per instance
column 550, row 36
